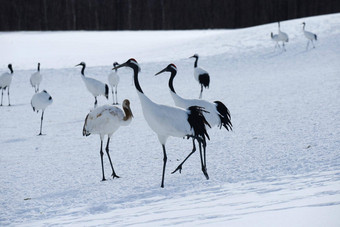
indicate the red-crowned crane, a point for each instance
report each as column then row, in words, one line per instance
column 309, row 35
column 275, row 38
column 36, row 79
column 5, row 82
column 168, row 121
column 95, row 87
column 201, row 75
column 113, row 79
column 40, row 101
column 105, row 120
column 216, row 112
column 282, row 36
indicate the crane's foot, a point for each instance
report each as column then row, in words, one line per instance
column 103, row 179
column 204, row 170
column 115, row 176
column 179, row 168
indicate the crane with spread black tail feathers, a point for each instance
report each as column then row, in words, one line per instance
column 105, row 120
column 168, row 121
column 216, row 113
column 201, row 75
column 95, row 87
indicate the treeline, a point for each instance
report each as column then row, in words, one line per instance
column 153, row 14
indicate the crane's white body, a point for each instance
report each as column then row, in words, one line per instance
column 40, row 101
column 36, row 79
column 105, row 120
column 95, row 87
column 199, row 71
column 113, row 79
column 5, row 83
column 282, row 36
column 309, row 35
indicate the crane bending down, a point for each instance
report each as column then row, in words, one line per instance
column 5, row 82
column 95, row 87
column 216, row 113
column 105, row 120
column 282, row 36
column 309, row 35
column 36, row 79
column 275, row 38
column 168, row 121
column 201, row 75
column 40, row 101
column 113, row 79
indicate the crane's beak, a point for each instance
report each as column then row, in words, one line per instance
column 162, row 71
column 77, row 65
column 119, row 66
column 192, row 56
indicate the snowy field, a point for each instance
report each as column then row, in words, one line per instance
column 280, row 166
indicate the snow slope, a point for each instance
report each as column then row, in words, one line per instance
column 279, row 167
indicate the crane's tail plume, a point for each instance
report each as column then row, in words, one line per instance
column 85, row 132
column 198, row 122
column 224, row 115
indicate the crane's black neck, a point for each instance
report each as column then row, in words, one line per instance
column 135, row 78
column 38, row 67
column 83, row 70
column 10, row 68
column 196, row 62
column 171, row 80
column 304, row 26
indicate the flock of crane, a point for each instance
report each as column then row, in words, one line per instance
column 190, row 118
column 283, row 37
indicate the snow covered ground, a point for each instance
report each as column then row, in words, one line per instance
column 279, row 167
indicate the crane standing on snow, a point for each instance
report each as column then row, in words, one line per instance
column 40, row 101
column 114, row 81
column 309, row 35
column 282, row 36
column 215, row 113
column 275, row 38
column 5, row 82
column 168, row 121
column 105, row 120
column 36, row 79
column 201, row 75
column 95, row 87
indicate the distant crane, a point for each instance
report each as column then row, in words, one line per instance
column 309, row 35
column 5, row 82
column 275, row 38
column 216, row 113
column 95, row 87
column 105, row 120
column 114, row 81
column 282, row 36
column 201, row 75
column 168, row 121
column 40, row 101
column 36, row 79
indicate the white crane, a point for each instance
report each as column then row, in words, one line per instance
column 201, row 75
column 114, row 81
column 275, row 38
column 36, row 79
column 309, row 35
column 105, row 120
column 282, row 36
column 216, row 112
column 40, row 101
column 168, row 121
column 95, row 87
column 5, row 82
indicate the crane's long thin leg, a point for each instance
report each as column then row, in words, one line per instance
column 165, row 158
column 101, row 156
column 9, row 103
column 108, row 155
column 201, row 91
column 180, row 165
column 113, row 97
column 116, row 94
column 95, row 102
column 204, row 170
column 313, row 44
column 2, row 95
column 41, row 122
column 307, row 45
